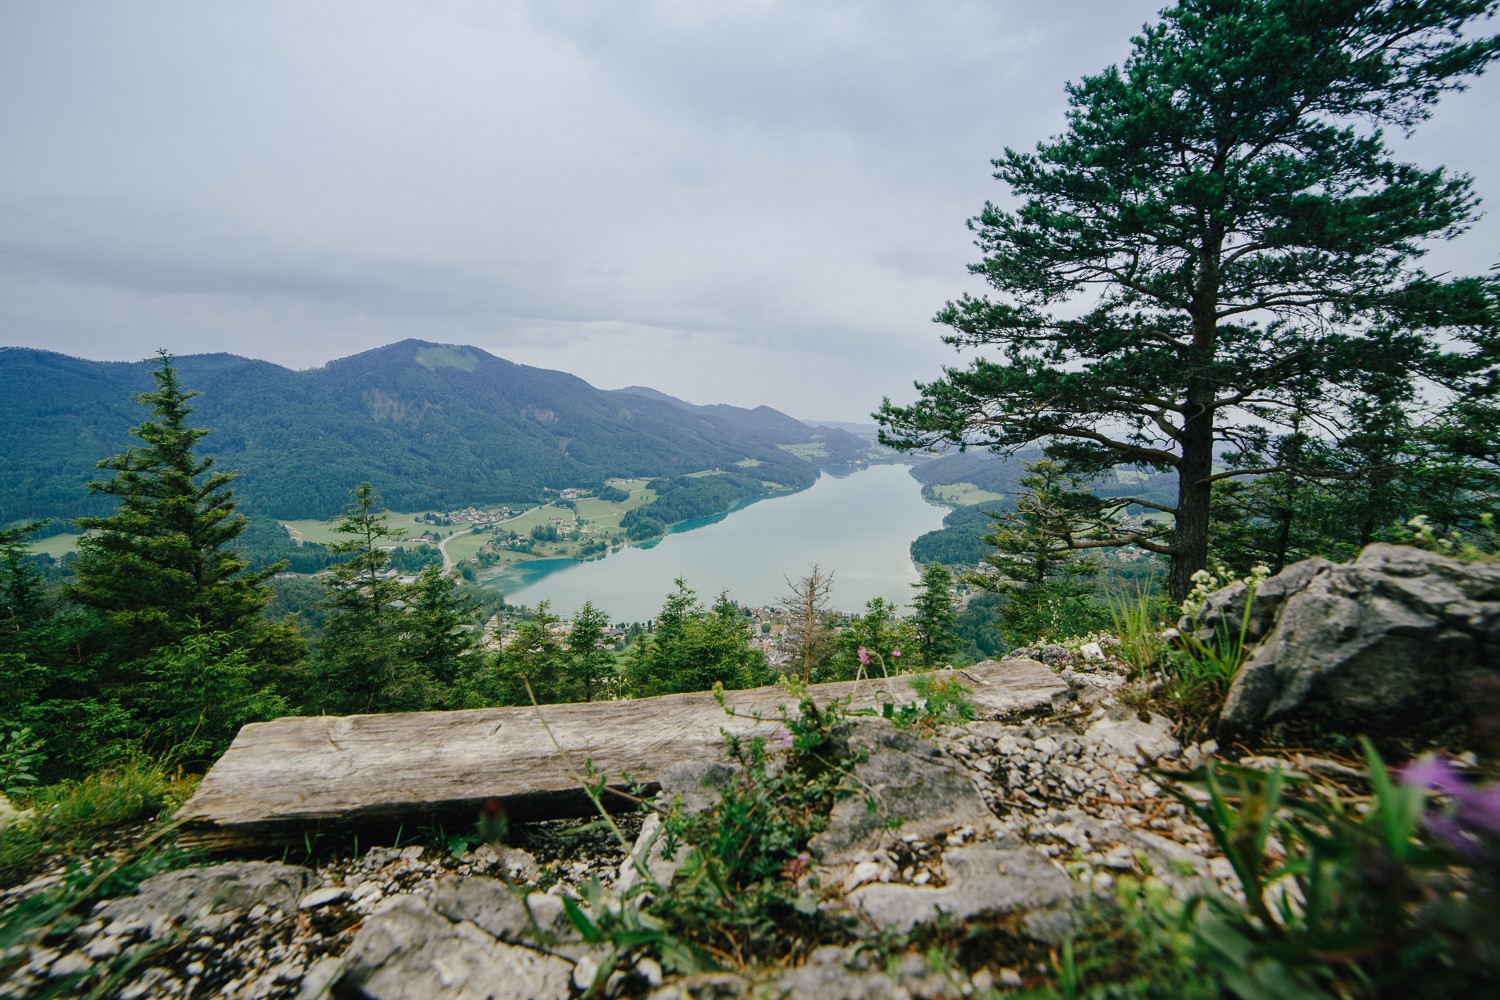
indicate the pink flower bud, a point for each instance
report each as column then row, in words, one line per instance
column 864, row 656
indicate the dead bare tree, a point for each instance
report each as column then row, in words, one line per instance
column 809, row 631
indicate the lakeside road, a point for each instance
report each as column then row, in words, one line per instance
column 443, row 548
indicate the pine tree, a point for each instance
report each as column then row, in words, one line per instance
column 692, row 648
column 173, row 652
column 22, row 592
column 1222, row 240
column 1049, row 586
column 442, row 625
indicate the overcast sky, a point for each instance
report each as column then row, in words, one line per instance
column 739, row 202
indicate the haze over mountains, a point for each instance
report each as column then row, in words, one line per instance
column 429, row 425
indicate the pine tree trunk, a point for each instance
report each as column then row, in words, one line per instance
column 1190, row 538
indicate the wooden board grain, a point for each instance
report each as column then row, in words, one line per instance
column 279, row 779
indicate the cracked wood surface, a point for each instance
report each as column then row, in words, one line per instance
column 282, row 778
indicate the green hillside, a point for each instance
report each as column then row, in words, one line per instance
column 431, row 426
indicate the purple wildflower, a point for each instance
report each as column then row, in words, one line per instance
column 896, row 654
column 1474, row 811
column 784, row 737
column 864, row 656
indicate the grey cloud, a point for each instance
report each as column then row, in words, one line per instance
column 748, row 202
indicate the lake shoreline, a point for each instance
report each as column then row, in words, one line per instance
column 828, row 523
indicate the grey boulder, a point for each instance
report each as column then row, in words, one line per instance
column 1400, row 641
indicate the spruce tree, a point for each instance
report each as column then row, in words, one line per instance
column 1049, row 587
column 442, row 628
column 693, row 648
column 534, row 657
column 174, row 653
column 1220, row 241
column 591, row 658
column 160, row 568
column 934, row 616
column 361, row 661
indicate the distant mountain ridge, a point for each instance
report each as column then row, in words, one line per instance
column 430, row 425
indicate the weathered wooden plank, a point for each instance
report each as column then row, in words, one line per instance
column 279, row 778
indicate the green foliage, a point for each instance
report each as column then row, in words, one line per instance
column 531, row 667
column 979, row 630
column 441, row 625
column 69, row 818
column 1350, row 901
column 20, row 755
column 590, row 667
column 1135, row 944
column 1222, row 246
column 384, row 644
column 959, row 542
column 22, row 595
column 1482, row 543
column 693, row 648
column 737, row 893
column 1049, row 587
column 1137, row 619
column 945, row 701
column 1190, row 675
column 159, row 568
column 162, row 637
column 880, row 629
column 69, row 814
column 198, row 692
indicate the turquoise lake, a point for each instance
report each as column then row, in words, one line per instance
column 859, row 526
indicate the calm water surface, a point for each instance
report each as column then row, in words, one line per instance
column 858, row 526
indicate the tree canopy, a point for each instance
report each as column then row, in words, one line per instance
column 1222, row 246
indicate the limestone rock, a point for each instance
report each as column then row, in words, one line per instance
column 10, row 815
column 694, row 784
column 1398, row 641
column 985, row 878
column 210, row 898
column 1131, row 737
column 502, row 912
column 409, row 951
column 916, row 788
column 1223, row 613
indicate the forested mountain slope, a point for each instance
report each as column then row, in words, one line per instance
column 427, row 424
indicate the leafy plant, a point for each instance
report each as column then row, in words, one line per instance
column 20, row 753
column 944, row 700
column 1340, row 897
column 740, row 891
column 1483, row 543
column 1197, row 673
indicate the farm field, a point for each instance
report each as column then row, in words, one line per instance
column 56, row 546
column 964, row 494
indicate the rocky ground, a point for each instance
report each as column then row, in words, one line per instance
column 1015, row 821
column 1009, row 817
